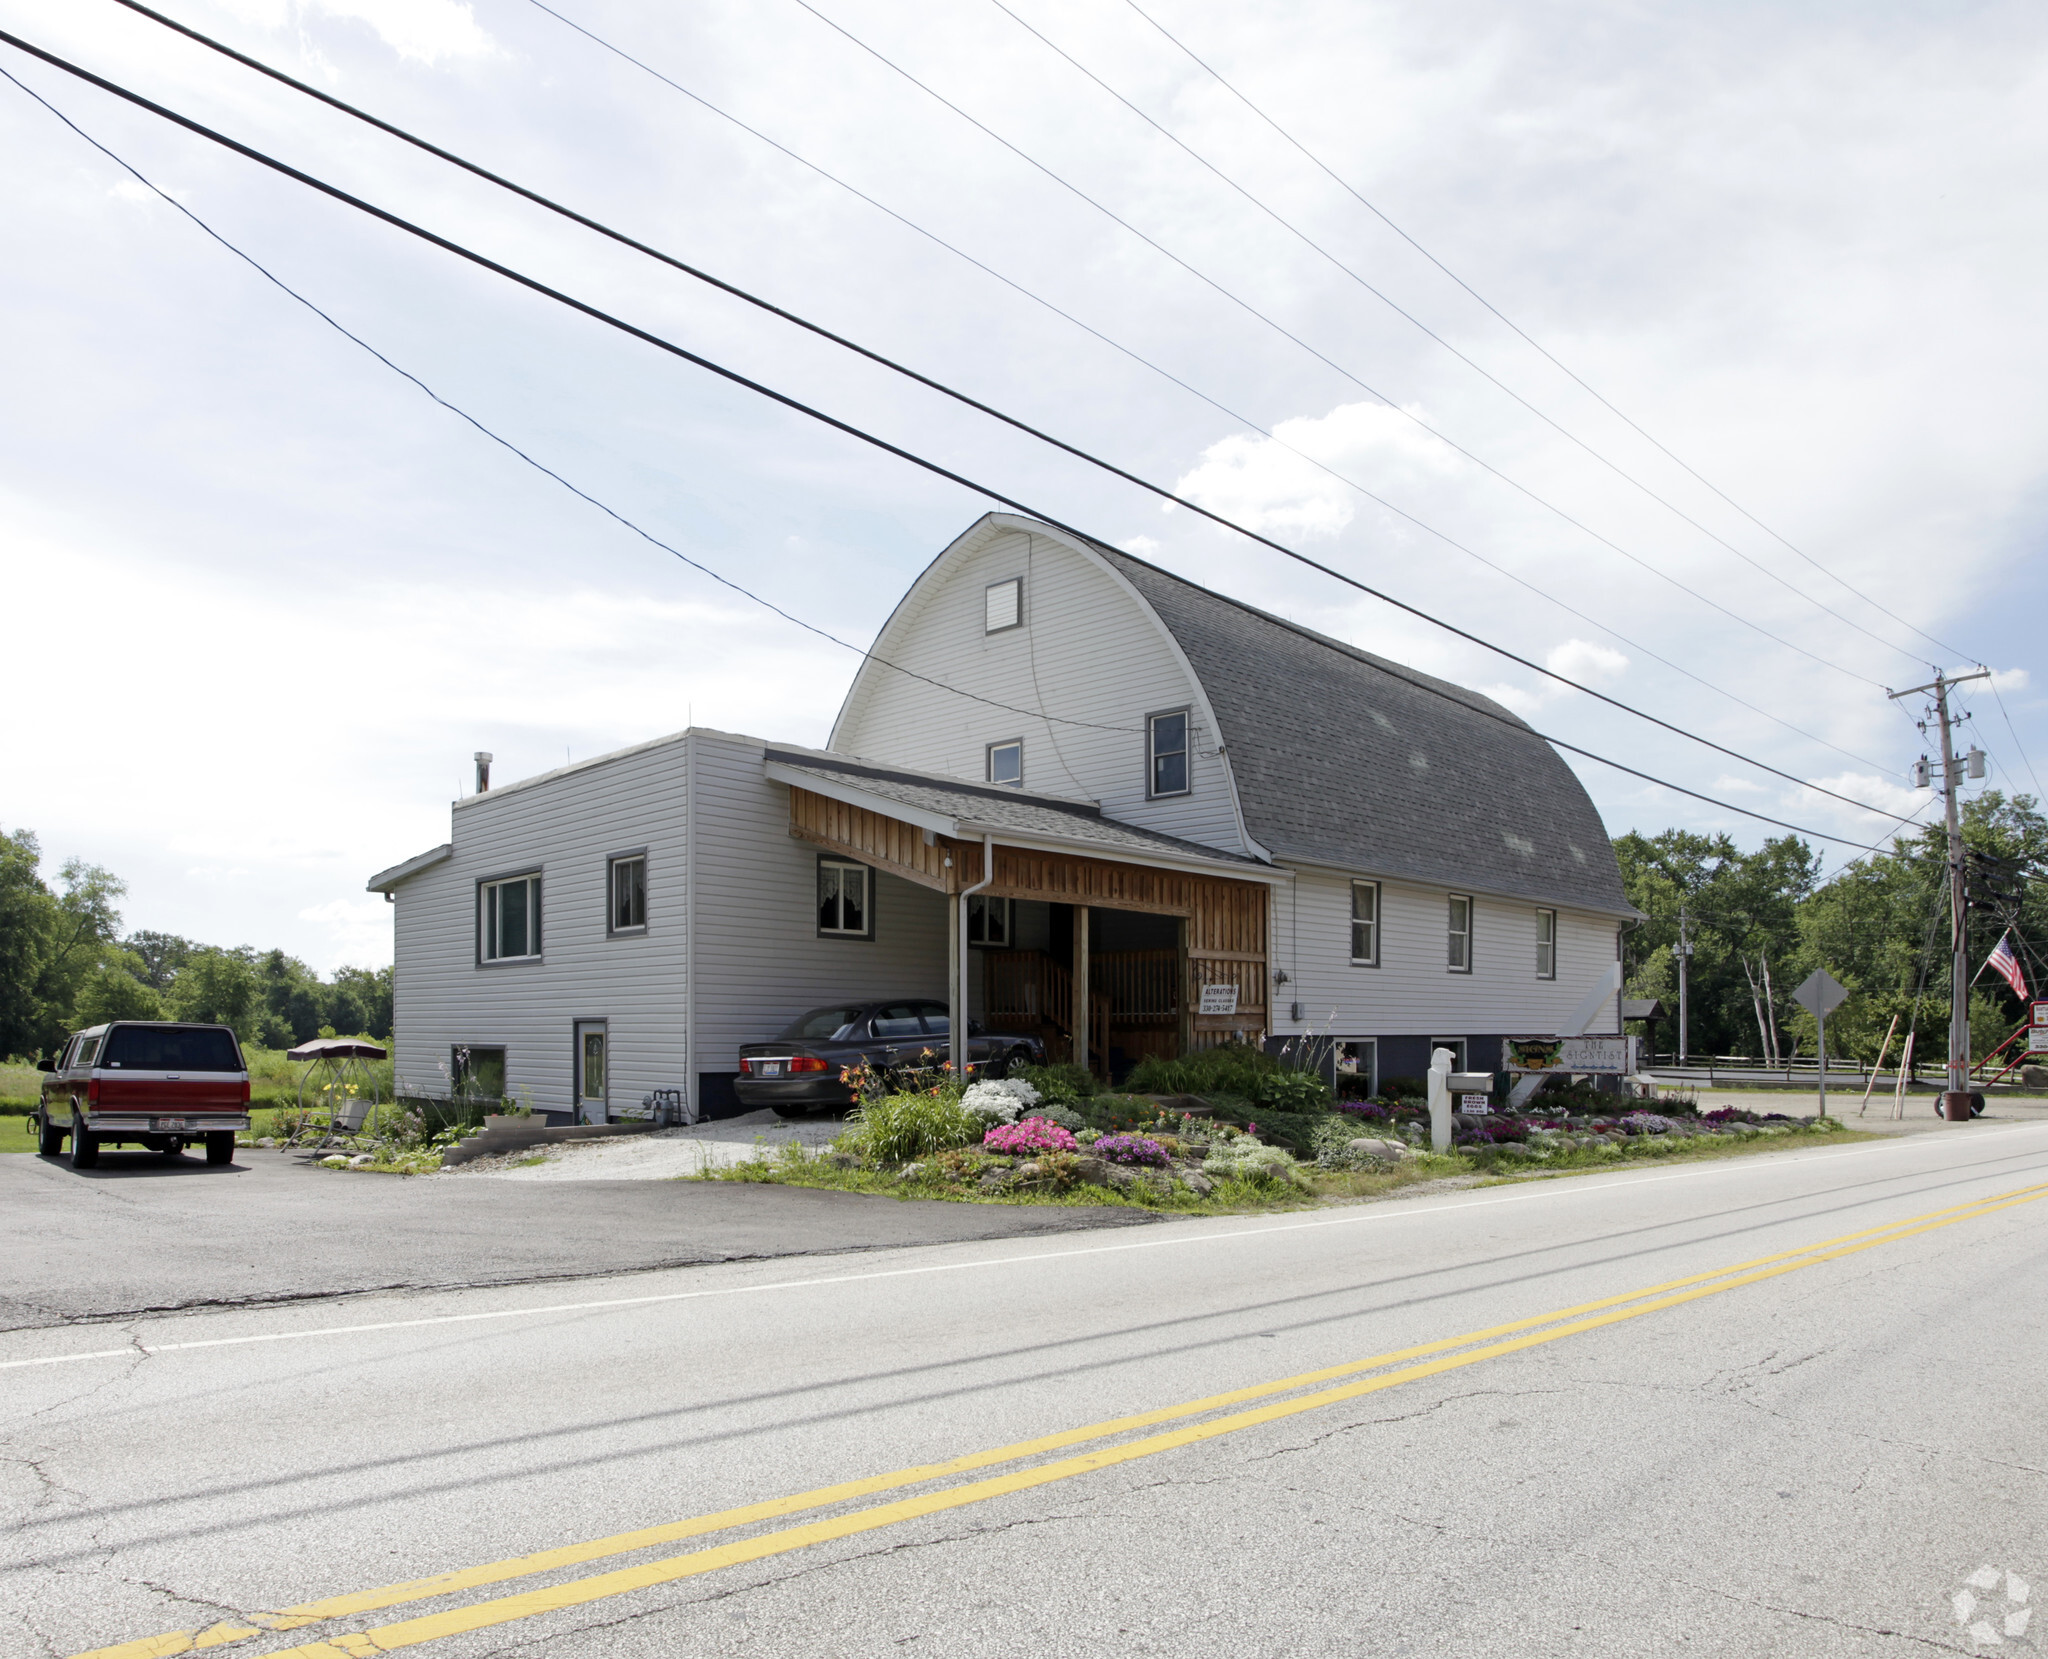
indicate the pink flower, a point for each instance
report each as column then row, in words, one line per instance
column 1031, row 1135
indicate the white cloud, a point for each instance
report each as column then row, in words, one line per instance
column 1142, row 547
column 1727, row 785
column 358, row 929
column 1266, row 484
column 2010, row 679
column 1583, row 660
column 428, row 30
column 1881, row 795
column 132, row 190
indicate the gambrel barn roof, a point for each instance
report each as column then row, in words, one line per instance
column 1346, row 759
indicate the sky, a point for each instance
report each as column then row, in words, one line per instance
column 1692, row 351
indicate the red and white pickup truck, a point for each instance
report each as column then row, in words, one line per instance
column 145, row 1083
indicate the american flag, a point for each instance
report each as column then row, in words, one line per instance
column 2007, row 966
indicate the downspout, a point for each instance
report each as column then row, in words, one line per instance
column 957, row 1022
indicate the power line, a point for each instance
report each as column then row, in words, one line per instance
column 1133, row 478
column 933, row 467
column 1164, row 373
column 1287, row 334
column 539, row 466
column 1485, row 374
column 1527, row 338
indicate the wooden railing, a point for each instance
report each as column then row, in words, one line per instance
column 1026, row 990
column 1143, row 986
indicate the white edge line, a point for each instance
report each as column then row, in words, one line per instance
column 1627, row 1178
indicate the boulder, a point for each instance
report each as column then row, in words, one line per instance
column 1198, row 1183
column 2034, row 1077
column 1031, row 1171
column 1091, row 1172
column 1384, row 1150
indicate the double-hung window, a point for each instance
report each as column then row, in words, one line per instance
column 508, row 920
column 626, row 880
column 1546, row 944
column 1460, row 930
column 1167, row 741
column 1006, row 762
column 845, row 900
column 1365, row 924
column 988, row 920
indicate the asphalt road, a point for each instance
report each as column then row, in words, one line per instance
column 1815, row 1454
column 146, row 1234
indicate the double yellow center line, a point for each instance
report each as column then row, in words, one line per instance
column 1309, row 1391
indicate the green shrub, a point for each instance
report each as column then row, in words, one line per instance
column 1061, row 1085
column 1235, row 1069
column 1403, row 1088
column 900, row 1127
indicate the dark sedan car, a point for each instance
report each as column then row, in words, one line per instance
column 798, row 1073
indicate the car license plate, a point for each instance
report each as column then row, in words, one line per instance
column 168, row 1123
column 771, row 1068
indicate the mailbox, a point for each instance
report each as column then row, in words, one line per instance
column 1471, row 1092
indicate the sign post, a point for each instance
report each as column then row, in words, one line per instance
column 1820, row 993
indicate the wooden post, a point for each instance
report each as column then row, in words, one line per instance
column 1083, row 1037
column 1884, row 1049
column 1187, row 991
column 1905, row 1076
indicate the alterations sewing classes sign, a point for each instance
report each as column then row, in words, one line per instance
column 1218, row 999
column 1587, row 1056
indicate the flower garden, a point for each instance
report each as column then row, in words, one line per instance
column 1225, row 1129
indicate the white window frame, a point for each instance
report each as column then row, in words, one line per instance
column 489, row 911
column 979, row 908
column 1546, row 944
column 1371, row 958
column 1186, row 751
column 867, row 931
column 1372, row 1064
column 1011, row 605
column 1460, row 1051
column 612, row 866
column 1454, row 936
column 989, row 763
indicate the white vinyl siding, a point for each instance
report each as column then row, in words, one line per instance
column 759, row 960
column 571, row 824
column 1088, row 646
column 1412, row 995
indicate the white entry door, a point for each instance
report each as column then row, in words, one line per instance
column 593, row 1071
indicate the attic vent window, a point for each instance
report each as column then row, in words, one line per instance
column 1005, row 605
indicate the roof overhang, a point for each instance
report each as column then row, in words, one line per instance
column 384, row 880
column 965, row 826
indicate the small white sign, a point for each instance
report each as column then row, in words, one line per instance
column 1475, row 1105
column 1219, row 999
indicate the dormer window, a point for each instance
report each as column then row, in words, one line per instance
column 1167, row 738
column 1006, row 763
column 1005, row 605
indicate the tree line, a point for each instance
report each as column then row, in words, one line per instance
column 1761, row 921
column 65, row 964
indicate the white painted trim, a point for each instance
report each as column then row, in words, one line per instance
column 384, row 880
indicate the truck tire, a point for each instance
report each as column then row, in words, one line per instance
column 49, row 1137
column 85, row 1149
column 220, row 1146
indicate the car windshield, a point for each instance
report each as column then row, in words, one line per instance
column 156, row 1048
column 820, row 1025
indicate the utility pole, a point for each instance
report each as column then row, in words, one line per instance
column 1956, row 1102
column 1684, row 955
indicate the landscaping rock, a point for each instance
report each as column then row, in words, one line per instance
column 1031, row 1171
column 2034, row 1077
column 1198, row 1183
column 362, row 1160
column 1386, row 1151
column 995, row 1178
column 909, row 1172
column 844, row 1160
column 1092, row 1172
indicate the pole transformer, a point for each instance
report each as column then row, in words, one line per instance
column 1956, row 1102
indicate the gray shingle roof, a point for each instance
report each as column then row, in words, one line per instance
column 1344, row 758
column 999, row 808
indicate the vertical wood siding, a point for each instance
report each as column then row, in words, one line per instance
column 1088, row 651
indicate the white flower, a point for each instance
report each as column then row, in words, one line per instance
column 998, row 1099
